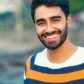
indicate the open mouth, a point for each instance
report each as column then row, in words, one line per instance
column 51, row 38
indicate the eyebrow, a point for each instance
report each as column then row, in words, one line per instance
column 57, row 17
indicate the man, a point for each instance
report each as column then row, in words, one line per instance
column 62, row 62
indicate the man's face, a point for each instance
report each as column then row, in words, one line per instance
column 51, row 26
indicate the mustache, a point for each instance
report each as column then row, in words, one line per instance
column 51, row 33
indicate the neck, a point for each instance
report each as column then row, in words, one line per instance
column 63, row 53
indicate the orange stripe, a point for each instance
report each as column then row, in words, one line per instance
column 55, row 78
column 28, row 63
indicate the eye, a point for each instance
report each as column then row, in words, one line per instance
column 41, row 23
column 55, row 20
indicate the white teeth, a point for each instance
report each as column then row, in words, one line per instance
column 50, row 37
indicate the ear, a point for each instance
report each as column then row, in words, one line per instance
column 69, row 21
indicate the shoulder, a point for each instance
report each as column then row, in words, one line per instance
column 36, row 57
column 29, row 59
column 81, row 49
column 80, row 52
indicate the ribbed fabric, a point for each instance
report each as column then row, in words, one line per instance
column 42, row 75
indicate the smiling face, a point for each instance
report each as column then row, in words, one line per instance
column 51, row 26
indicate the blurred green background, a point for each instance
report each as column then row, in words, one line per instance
column 24, row 14
column 18, row 38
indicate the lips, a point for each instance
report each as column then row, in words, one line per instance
column 51, row 38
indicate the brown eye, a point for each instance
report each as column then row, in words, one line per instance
column 55, row 20
column 41, row 23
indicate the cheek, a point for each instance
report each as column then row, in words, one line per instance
column 61, row 27
column 39, row 31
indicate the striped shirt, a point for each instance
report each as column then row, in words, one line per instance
column 39, row 70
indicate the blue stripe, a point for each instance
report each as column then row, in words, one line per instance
column 55, row 71
column 30, row 81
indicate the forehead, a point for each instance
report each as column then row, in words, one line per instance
column 46, row 12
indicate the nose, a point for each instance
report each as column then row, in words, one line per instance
column 49, row 28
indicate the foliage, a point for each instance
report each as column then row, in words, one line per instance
column 75, row 6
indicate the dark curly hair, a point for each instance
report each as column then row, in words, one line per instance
column 63, row 4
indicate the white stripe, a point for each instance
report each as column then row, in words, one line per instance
column 76, row 59
column 24, row 76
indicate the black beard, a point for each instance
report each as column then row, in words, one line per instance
column 57, row 45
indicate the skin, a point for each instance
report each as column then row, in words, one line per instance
column 51, row 27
